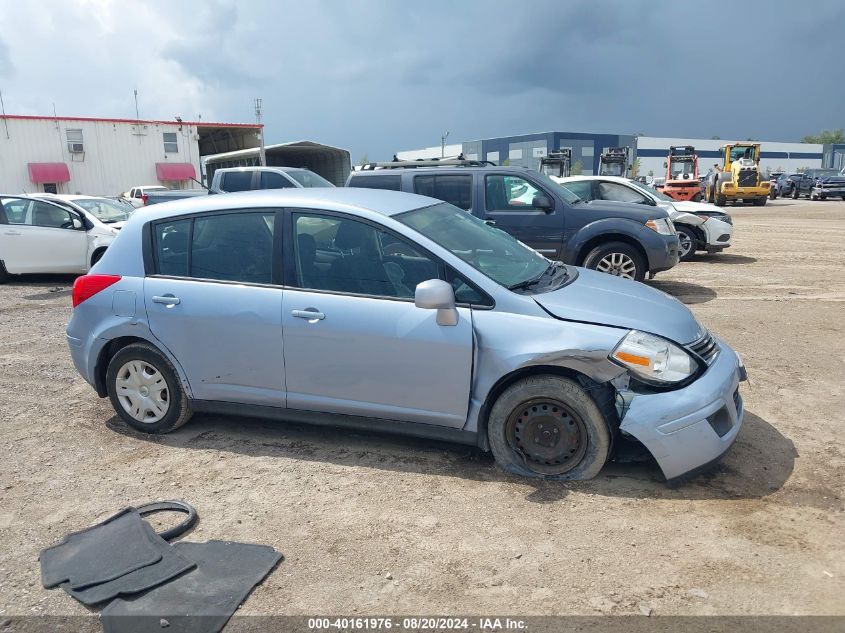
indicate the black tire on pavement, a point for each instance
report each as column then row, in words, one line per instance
column 4, row 274
column 548, row 427
column 795, row 192
column 688, row 240
column 178, row 411
column 616, row 250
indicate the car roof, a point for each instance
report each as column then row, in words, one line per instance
column 262, row 168
column 441, row 169
column 349, row 200
column 614, row 178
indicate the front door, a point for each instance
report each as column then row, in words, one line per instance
column 40, row 237
column 212, row 302
column 355, row 343
column 508, row 202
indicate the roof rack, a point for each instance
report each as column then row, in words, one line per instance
column 459, row 161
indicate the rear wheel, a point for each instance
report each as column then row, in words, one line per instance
column 4, row 275
column 548, row 427
column 145, row 391
column 721, row 201
column 618, row 259
column 795, row 192
column 97, row 256
column 688, row 242
column 761, row 201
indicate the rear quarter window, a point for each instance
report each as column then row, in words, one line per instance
column 391, row 183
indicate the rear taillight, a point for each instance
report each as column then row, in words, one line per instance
column 87, row 286
column 144, row 199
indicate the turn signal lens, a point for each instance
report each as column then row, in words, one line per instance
column 87, row 286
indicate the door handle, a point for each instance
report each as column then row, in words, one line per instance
column 168, row 300
column 312, row 314
column 12, row 233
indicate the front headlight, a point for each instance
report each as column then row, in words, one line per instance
column 663, row 226
column 654, row 359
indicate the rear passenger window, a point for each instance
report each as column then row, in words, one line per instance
column 272, row 180
column 237, row 181
column 225, row 247
column 456, row 190
column 391, row 183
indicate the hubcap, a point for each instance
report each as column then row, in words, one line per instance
column 618, row 264
column 549, row 436
column 686, row 243
column 142, row 391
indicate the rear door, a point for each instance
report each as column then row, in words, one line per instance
column 507, row 201
column 212, row 300
column 41, row 238
column 355, row 343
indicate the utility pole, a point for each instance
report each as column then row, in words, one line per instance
column 3, row 110
column 262, row 159
column 137, row 113
column 443, row 144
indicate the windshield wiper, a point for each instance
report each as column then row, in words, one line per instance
column 524, row 285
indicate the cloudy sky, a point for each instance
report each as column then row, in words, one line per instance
column 376, row 77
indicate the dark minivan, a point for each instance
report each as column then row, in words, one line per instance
column 626, row 240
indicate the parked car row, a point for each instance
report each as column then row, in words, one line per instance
column 816, row 184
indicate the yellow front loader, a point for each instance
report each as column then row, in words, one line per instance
column 740, row 177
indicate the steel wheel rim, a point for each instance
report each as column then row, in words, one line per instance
column 685, row 243
column 142, row 391
column 618, row 265
column 548, row 435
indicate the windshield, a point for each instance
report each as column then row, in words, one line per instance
column 681, row 167
column 563, row 192
column 106, row 211
column 650, row 191
column 309, row 178
column 743, row 151
column 489, row 250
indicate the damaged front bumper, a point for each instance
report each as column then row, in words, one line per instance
column 691, row 427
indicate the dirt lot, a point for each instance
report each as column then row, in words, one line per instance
column 377, row 525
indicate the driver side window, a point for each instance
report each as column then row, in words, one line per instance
column 620, row 193
column 50, row 216
column 509, row 193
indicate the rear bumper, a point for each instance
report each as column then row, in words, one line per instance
column 689, row 428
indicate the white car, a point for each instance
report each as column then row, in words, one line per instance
column 42, row 236
column 135, row 196
column 701, row 226
column 110, row 212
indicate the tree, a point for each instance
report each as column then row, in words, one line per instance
column 826, row 137
column 577, row 168
column 635, row 168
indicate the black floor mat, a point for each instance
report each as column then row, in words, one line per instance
column 98, row 554
column 170, row 566
column 201, row 601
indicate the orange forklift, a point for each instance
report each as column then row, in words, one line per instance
column 682, row 181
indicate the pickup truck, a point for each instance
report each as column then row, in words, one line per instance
column 232, row 179
column 818, row 184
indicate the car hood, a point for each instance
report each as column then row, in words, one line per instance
column 696, row 207
column 831, row 180
column 638, row 212
column 607, row 300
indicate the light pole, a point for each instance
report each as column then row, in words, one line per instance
column 443, row 144
column 261, row 156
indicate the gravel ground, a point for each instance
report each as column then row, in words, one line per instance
column 376, row 525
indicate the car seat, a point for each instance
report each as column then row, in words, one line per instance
column 362, row 271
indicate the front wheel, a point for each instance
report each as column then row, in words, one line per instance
column 795, row 193
column 688, row 242
column 548, row 427
column 145, row 391
column 761, row 201
column 617, row 259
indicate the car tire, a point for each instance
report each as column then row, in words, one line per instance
column 721, row 201
column 4, row 274
column 149, row 382
column 539, row 424
column 688, row 242
column 795, row 192
column 97, row 256
column 761, row 201
column 616, row 258
column 773, row 194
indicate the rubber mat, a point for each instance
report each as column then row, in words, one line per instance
column 100, row 553
column 201, row 601
column 121, row 544
column 170, row 566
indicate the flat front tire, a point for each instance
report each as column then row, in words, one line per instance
column 550, row 428
column 618, row 259
column 145, row 390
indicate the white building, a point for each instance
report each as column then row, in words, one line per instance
column 109, row 156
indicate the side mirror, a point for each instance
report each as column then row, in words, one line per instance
column 542, row 202
column 436, row 294
column 77, row 224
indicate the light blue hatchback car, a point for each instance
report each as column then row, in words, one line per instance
column 390, row 311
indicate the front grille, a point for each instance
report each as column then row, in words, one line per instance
column 706, row 347
column 747, row 178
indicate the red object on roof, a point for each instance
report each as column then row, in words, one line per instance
column 48, row 172
column 175, row 171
